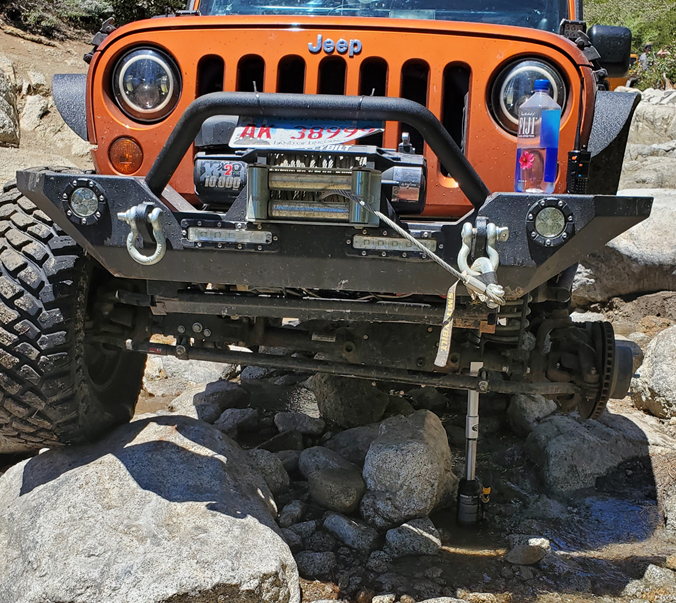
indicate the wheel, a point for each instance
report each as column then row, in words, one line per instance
column 57, row 388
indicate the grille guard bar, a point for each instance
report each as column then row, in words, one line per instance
column 358, row 108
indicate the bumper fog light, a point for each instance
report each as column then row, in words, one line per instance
column 84, row 202
column 550, row 222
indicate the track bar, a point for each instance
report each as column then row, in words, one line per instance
column 345, row 370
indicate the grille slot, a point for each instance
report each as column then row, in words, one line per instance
column 210, row 75
column 414, row 84
column 332, row 72
column 454, row 103
column 250, row 74
column 373, row 81
column 291, row 75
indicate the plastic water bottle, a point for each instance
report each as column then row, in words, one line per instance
column 537, row 146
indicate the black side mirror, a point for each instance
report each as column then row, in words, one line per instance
column 614, row 45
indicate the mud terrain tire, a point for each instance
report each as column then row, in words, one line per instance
column 55, row 387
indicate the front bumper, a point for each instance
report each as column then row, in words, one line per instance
column 323, row 256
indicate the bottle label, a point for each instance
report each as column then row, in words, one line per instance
column 527, row 121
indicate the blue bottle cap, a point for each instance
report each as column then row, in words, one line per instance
column 541, row 85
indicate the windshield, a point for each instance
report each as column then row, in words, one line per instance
column 540, row 14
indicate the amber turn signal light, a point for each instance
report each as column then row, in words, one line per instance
column 126, row 156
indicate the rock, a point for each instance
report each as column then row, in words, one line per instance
column 398, row 405
column 318, row 458
column 289, row 440
column 9, row 114
column 237, row 419
column 292, row 513
column 384, row 598
column 8, row 69
column 38, row 82
column 254, row 373
column 351, row 533
column 353, row 444
column 415, row 537
column 338, row 490
column 305, row 529
column 656, row 581
column 321, row 542
column 208, row 404
column 160, row 510
column 169, row 376
column 315, row 565
column 654, row 390
column 525, row 412
column 408, row 470
column 272, row 470
column 637, row 261
column 444, row 600
column 348, row 402
column 379, row 562
column 527, row 550
column 35, row 107
column 298, row 421
column 294, row 541
column 456, row 435
column 289, row 459
column 428, row 398
column 571, row 454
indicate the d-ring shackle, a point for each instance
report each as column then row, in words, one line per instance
column 131, row 217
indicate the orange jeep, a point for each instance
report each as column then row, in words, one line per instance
column 344, row 164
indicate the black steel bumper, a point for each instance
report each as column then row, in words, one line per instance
column 323, row 256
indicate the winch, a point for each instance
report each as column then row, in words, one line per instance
column 315, row 184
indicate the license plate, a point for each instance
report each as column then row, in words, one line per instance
column 300, row 134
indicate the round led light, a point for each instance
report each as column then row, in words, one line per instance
column 146, row 84
column 515, row 85
column 550, row 222
column 84, row 202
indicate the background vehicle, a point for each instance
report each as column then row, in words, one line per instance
column 327, row 162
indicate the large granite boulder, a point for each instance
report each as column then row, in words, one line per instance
column 9, row 114
column 408, row 470
column 640, row 260
column 163, row 509
column 169, row 376
column 654, row 389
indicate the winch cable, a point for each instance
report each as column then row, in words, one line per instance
column 473, row 284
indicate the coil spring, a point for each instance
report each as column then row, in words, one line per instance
column 512, row 319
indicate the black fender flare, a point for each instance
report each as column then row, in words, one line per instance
column 70, row 97
column 613, row 112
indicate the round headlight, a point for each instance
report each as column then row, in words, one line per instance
column 146, row 84
column 515, row 85
column 84, row 202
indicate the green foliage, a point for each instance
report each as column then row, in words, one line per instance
column 649, row 20
column 133, row 10
column 56, row 18
column 659, row 67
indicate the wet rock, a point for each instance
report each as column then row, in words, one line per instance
column 424, row 589
column 546, row 508
column 289, row 459
column 348, row 402
column 33, row 111
column 318, row 458
column 379, row 562
column 292, row 513
column 298, row 421
column 428, row 398
column 169, row 376
column 398, row 405
column 294, row 541
column 353, row 444
column 305, row 529
column 415, row 537
column 525, row 412
column 9, row 115
column 527, row 550
column 392, row 582
column 237, row 419
column 315, row 565
column 339, row 490
column 289, row 440
column 408, row 470
column 654, row 390
column 637, row 261
column 321, row 542
column 161, row 509
column 207, row 404
column 272, row 470
column 351, row 533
